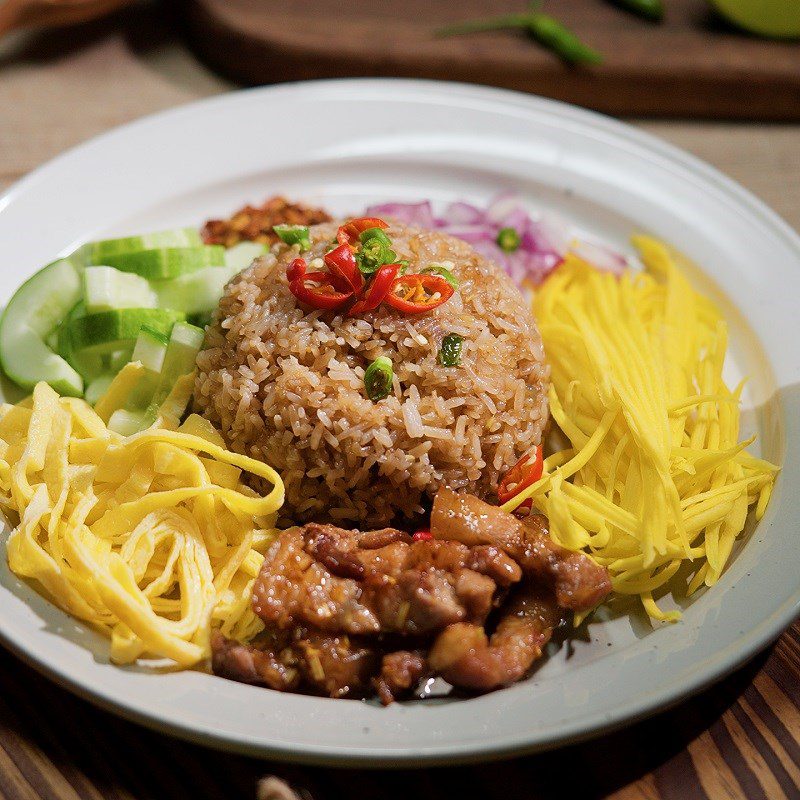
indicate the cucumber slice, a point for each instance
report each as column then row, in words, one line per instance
column 150, row 348
column 31, row 315
column 97, row 388
column 106, row 288
column 185, row 342
column 242, row 255
column 59, row 334
column 126, row 423
column 88, row 366
column 149, row 351
column 110, row 331
column 119, row 359
column 167, row 262
column 96, row 252
column 196, row 293
column 134, row 413
column 199, row 320
column 119, row 390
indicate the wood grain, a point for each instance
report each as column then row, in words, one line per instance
column 737, row 741
column 693, row 64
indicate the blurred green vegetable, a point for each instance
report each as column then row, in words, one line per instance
column 543, row 28
column 777, row 18
column 649, row 9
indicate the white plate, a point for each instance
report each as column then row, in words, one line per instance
column 346, row 143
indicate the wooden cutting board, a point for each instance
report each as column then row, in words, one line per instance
column 693, row 64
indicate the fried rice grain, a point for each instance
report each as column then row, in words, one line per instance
column 285, row 384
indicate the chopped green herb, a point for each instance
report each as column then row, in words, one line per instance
column 378, row 378
column 376, row 250
column 293, row 234
column 508, row 240
column 450, row 351
column 438, row 269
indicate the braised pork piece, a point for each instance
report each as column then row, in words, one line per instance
column 347, row 613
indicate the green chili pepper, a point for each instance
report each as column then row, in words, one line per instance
column 545, row 29
column 378, row 378
column 375, row 251
column 438, row 269
column 508, row 240
column 649, row 9
column 375, row 235
column 293, row 234
column 450, row 351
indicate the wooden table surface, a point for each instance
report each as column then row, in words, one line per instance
column 740, row 739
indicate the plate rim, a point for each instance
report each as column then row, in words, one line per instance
column 723, row 662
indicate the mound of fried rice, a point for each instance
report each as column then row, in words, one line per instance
column 285, row 384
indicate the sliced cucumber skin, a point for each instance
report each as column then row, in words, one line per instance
column 242, row 255
column 150, row 348
column 184, row 345
column 97, row 388
column 109, row 331
column 167, row 262
column 107, row 288
column 88, row 366
column 126, row 423
column 196, row 293
column 95, row 252
column 199, row 292
column 188, row 336
column 30, row 317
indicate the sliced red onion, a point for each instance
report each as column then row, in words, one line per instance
column 544, row 241
column 502, row 206
column 411, row 213
column 471, row 233
column 462, row 213
column 600, row 256
column 549, row 234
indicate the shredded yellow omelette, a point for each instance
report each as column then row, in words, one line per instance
column 151, row 538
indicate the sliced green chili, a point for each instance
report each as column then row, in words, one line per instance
column 376, row 250
column 378, row 378
column 508, row 239
column 293, row 234
column 450, row 351
column 545, row 29
column 649, row 9
column 438, row 269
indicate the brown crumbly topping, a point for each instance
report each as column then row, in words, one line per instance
column 254, row 223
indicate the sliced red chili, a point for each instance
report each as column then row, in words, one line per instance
column 523, row 474
column 315, row 289
column 377, row 290
column 422, row 536
column 296, row 269
column 344, row 269
column 415, row 294
column 349, row 232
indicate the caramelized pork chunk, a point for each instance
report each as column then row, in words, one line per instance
column 337, row 666
column 465, row 656
column 377, row 582
column 579, row 583
column 350, row 612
